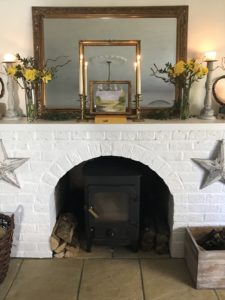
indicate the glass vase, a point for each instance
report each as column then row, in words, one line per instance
column 31, row 104
column 184, row 104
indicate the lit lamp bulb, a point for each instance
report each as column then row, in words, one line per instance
column 9, row 58
column 210, row 56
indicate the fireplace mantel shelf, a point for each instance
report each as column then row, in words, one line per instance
column 192, row 123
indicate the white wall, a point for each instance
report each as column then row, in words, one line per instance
column 206, row 30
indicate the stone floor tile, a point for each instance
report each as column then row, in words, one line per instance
column 221, row 294
column 96, row 252
column 47, row 279
column 126, row 252
column 111, row 279
column 169, row 279
column 11, row 274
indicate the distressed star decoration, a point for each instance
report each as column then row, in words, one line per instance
column 215, row 168
column 8, row 165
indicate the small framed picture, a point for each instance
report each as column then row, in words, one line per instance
column 110, row 97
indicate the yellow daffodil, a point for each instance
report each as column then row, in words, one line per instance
column 179, row 68
column 11, row 71
column 47, row 77
column 30, row 74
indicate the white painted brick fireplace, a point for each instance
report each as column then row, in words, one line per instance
column 55, row 148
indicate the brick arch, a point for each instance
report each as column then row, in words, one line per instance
column 91, row 150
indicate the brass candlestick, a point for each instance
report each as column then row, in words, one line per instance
column 138, row 108
column 82, row 107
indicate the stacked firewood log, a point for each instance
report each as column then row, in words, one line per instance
column 155, row 235
column 63, row 240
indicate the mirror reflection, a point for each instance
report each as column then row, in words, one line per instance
column 158, row 44
column 162, row 31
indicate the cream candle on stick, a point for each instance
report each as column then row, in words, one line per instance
column 81, row 87
column 85, row 78
column 138, row 74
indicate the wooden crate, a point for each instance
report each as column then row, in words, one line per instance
column 207, row 268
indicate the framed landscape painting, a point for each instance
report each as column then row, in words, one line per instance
column 110, row 97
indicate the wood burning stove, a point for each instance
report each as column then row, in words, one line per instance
column 112, row 204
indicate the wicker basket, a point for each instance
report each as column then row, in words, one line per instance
column 7, row 225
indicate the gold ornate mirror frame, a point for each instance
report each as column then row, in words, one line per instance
column 39, row 14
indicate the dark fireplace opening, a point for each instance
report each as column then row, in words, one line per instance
column 116, row 202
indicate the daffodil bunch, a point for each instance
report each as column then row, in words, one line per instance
column 25, row 69
column 182, row 73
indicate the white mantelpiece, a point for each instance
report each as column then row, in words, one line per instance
column 56, row 147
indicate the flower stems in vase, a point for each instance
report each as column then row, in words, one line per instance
column 31, row 108
column 182, row 74
column 184, row 104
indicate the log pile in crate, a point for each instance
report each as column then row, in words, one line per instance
column 63, row 240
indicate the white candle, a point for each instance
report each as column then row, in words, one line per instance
column 81, row 76
column 85, row 78
column 9, row 58
column 210, row 56
column 138, row 74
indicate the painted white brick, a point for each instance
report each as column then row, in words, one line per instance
column 146, row 135
column 40, row 145
column 155, row 145
column 129, row 135
column 25, row 135
column 197, row 135
column 57, row 170
column 62, row 135
column 179, row 135
column 196, row 199
column 113, row 135
column 214, row 134
column 65, row 164
column 171, row 155
column 195, row 217
column 181, row 146
column 182, row 166
column 106, row 149
column 124, row 149
column 79, row 135
column 7, row 135
column 163, row 135
column 44, row 135
column 202, row 145
column 94, row 149
column 215, row 217
column 96, row 135
column 215, row 198
column 195, row 154
column 50, row 179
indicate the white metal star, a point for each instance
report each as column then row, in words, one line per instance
column 215, row 168
column 8, row 165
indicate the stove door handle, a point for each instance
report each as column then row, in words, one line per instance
column 93, row 212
